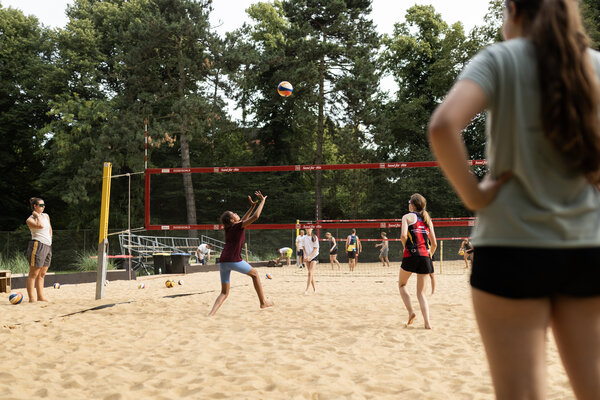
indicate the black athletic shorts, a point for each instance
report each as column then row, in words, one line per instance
column 333, row 252
column 351, row 254
column 300, row 253
column 417, row 264
column 520, row 272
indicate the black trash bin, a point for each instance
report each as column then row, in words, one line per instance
column 180, row 262
column 162, row 263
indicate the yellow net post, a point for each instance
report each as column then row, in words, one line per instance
column 103, row 238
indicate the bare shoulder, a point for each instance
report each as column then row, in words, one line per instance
column 409, row 217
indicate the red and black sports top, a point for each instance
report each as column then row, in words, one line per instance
column 417, row 243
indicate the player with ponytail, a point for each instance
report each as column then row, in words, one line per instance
column 536, row 241
column 418, row 239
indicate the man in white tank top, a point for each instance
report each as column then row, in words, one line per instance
column 39, row 251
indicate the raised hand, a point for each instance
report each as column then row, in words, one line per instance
column 260, row 196
column 251, row 201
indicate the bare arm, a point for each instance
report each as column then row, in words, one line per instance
column 433, row 240
column 252, row 206
column 35, row 221
column 404, row 229
column 256, row 215
column 465, row 100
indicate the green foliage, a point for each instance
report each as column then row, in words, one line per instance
column 73, row 98
column 590, row 10
column 88, row 261
column 17, row 264
column 26, row 86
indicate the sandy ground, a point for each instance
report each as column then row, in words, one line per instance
column 346, row 341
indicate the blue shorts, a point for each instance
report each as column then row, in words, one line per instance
column 226, row 267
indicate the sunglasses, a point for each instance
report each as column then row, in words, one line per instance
column 41, row 205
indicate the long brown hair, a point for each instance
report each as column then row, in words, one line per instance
column 226, row 219
column 420, row 205
column 569, row 88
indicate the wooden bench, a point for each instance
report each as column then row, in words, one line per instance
column 4, row 281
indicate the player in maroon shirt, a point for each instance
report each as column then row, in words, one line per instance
column 231, row 258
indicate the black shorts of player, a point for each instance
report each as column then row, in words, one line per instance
column 521, row 272
column 417, row 264
column 351, row 254
column 332, row 252
column 300, row 253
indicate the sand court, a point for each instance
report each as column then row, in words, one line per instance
column 346, row 341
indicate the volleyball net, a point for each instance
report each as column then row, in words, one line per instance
column 217, row 189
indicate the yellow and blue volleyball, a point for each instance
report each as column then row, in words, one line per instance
column 142, row 285
column 15, row 298
column 269, row 276
column 106, row 282
column 285, row 89
column 169, row 283
column 57, row 285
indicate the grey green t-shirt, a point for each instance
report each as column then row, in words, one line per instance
column 545, row 203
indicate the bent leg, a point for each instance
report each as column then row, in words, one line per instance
column 576, row 328
column 31, row 280
column 421, row 284
column 264, row 303
column 402, row 281
column 39, row 284
column 220, row 299
column 310, row 280
column 514, row 336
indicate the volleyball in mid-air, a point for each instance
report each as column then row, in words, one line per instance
column 169, row 283
column 180, row 282
column 15, row 298
column 57, row 285
column 269, row 276
column 142, row 285
column 285, row 89
column 106, row 282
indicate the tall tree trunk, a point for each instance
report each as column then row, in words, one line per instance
column 188, row 187
column 320, row 131
column 355, row 199
column 214, row 119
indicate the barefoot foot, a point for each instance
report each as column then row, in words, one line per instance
column 411, row 319
column 268, row 303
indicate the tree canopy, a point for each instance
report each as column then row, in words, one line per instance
column 75, row 97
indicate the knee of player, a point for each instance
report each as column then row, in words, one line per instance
column 253, row 273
